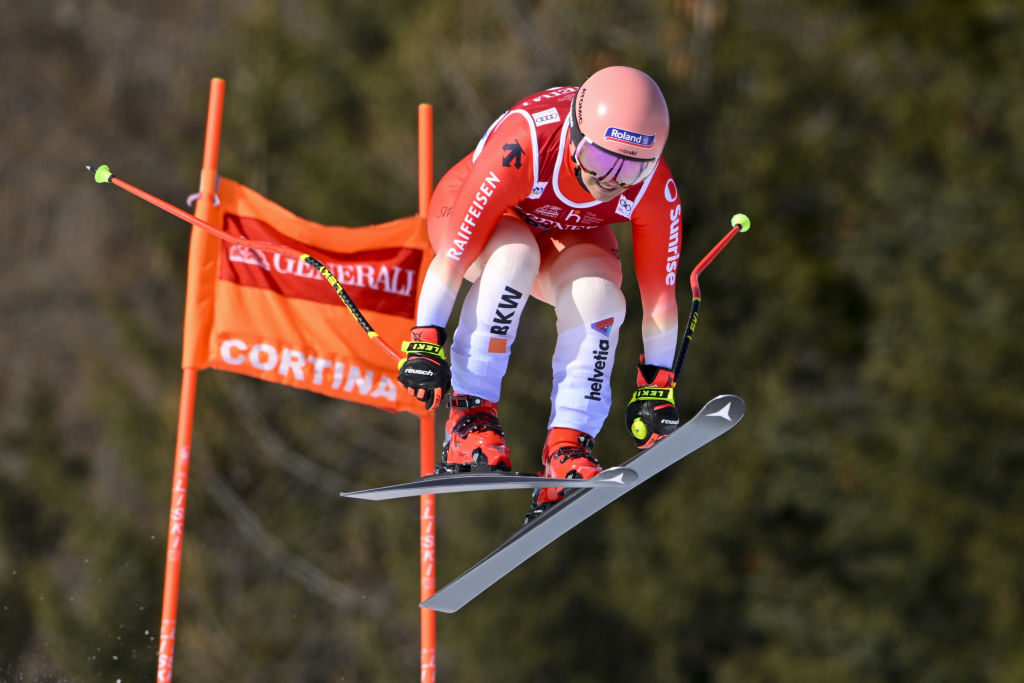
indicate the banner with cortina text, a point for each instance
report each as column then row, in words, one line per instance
column 273, row 317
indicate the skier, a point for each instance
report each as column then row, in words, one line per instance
column 529, row 212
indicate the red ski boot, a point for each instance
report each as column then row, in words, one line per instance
column 474, row 441
column 566, row 456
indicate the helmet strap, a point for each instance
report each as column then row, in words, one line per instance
column 571, row 160
column 579, row 175
column 571, row 142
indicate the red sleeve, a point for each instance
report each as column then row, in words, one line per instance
column 501, row 177
column 657, row 241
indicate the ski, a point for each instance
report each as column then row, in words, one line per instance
column 718, row 416
column 489, row 481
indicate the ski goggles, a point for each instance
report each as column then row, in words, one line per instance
column 612, row 171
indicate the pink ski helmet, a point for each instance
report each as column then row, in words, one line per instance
column 619, row 125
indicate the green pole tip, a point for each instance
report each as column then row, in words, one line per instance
column 639, row 429
column 741, row 220
column 103, row 174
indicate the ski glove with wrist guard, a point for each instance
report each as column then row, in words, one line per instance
column 651, row 413
column 424, row 371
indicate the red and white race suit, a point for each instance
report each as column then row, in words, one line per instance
column 513, row 217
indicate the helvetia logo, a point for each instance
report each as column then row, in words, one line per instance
column 603, row 326
column 598, row 377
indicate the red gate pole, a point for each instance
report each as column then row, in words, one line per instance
column 428, row 557
column 186, row 408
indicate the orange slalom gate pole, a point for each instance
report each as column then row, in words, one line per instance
column 428, row 557
column 186, row 412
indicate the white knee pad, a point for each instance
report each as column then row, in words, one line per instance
column 490, row 315
column 590, row 308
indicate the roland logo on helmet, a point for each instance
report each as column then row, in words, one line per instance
column 628, row 136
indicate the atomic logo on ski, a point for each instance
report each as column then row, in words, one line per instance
column 723, row 413
column 619, row 478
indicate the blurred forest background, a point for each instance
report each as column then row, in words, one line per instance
column 862, row 524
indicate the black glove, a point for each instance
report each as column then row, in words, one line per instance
column 424, row 371
column 651, row 413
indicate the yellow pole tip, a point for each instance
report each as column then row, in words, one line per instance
column 101, row 174
column 742, row 221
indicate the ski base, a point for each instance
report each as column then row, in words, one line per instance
column 717, row 417
column 613, row 477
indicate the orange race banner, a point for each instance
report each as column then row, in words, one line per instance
column 271, row 316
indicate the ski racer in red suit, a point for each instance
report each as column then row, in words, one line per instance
column 529, row 212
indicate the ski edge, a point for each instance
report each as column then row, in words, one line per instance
column 475, row 482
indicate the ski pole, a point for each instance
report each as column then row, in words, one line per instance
column 740, row 223
column 103, row 174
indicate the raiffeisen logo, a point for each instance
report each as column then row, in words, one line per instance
column 628, row 136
